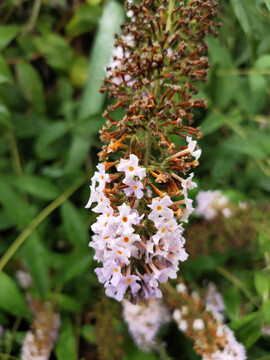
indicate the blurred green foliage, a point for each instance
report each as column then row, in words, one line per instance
column 50, row 114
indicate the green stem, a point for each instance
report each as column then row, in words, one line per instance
column 15, row 155
column 33, row 18
column 170, row 10
column 38, row 219
column 238, row 283
column 13, row 332
column 147, row 147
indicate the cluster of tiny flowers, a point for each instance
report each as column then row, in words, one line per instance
column 144, row 320
column 136, row 237
column 39, row 341
column 211, row 203
column 214, row 341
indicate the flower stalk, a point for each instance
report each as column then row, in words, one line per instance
column 141, row 187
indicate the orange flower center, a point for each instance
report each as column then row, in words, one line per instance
column 126, row 239
column 125, row 219
column 159, row 208
column 131, row 168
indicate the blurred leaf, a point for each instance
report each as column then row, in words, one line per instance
column 247, row 146
column 74, row 264
column 248, row 328
column 247, row 13
column 16, row 208
column 92, row 100
column 50, row 134
column 34, row 253
column 88, row 333
column 261, row 281
column 258, row 89
column 84, row 20
column 5, row 73
column 113, row 16
column 264, row 242
column 267, row 3
column 56, row 51
column 79, row 72
column 5, row 117
column 5, row 221
column 67, row 303
column 37, row 186
column 65, row 347
column 266, row 310
column 232, row 301
column 263, row 62
column 211, row 123
column 28, row 125
column 11, row 299
column 74, row 225
column 31, row 86
column 7, row 34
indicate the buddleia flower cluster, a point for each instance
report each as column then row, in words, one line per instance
column 140, row 190
column 144, row 321
column 202, row 320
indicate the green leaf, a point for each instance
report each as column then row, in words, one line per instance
column 74, row 264
column 249, row 17
column 73, row 224
column 7, row 34
column 232, row 300
column 266, row 310
column 84, row 20
column 34, row 253
column 88, row 333
column 11, row 299
column 5, row 73
column 267, row 3
column 211, row 123
column 245, row 146
column 31, row 86
column 49, row 135
column 5, row 221
column 37, row 186
column 67, row 303
column 5, row 117
column 264, row 242
column 17, row 209
column 56, row 51
column 101, row 54
column 92, row 100
column 262, row 283
column 258, row 90
column 66, row 345
column 248, row 328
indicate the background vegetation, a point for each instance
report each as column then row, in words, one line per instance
column 50, row 114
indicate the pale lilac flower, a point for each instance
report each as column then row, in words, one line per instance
column 131, row 168
column 210, row 203
column 183, row 325
column 198, row 324
column 181, row 288
column 144, row 321
column 160, row 209
column 134, row 187
column 191, row 147
column 101, row 177
column 188, row 184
